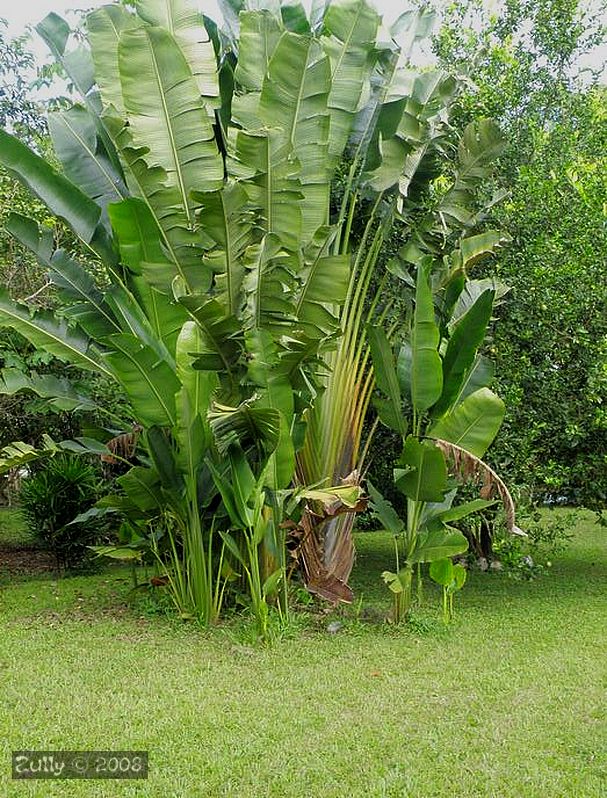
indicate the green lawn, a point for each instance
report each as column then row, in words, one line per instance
column 509, row 702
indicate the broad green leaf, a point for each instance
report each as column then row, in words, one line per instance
column 268, row 285
column 274, row 186
column 351, row 31
column 104, row 26
column 413, row 25
column 162, row 454
column 134, row 320
column 245, row 425
column 185, row 22
column 18, row 454
column 77, row 63
column 192, row 402
column 75, row 284
column 480, row 376
column 426, row 479
column 62, row 394
column 294, row 99
column 472, row 291
column 119, row 503
column 142, row 243
column 326, row 280
column 149, row 383
column 466, row 338
column 272, row 583
column 123, row 553
column 200, row 385
column 62, row 197
column 220, row 350
column 83, row 445
column 79, row 66
column 391, row 413
column 441, row 572
column 384, row 511
column 260, row 32
column 463, row 510
column 396, row 582
column 277, row 393
column 459, row 576
column 240, row 516
column 406, row 135
column 166, row 114
column 243, row 484
column 141, row 249
column 426, row 366
column 473, row 424
column 226, row 219
column 334, row 498
column 481, row 143
column 139, row 237
column 142, row 486
column 182, row 244
column 84, row 162
column 478, row 247
column 436, row 543
column 294, row 17
column 45, row 331
column 55, row 31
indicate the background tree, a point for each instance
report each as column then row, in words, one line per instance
column 25, row 416
column 551, row 340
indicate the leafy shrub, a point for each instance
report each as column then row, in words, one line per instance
column 52, row 497
column 548, row 536
column 550, row 346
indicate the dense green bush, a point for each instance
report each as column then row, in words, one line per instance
column 550, row 341
column 52, row 497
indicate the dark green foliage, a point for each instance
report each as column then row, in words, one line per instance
column 550, row 343
column 17, row 109
column 549, row 535
column 52, row 497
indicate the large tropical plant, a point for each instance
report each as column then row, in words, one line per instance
column 435, row 393
column 413, row 175
column 229, row 307
column 202, row 188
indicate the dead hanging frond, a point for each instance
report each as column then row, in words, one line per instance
column 316, row 546
column 466, row 466
column 122, row 447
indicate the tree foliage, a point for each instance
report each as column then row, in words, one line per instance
column 550, row 343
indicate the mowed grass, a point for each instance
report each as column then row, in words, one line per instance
column 509, row 702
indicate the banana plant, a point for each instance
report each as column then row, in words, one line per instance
column 435, row 394
column 227, row 300
column 451, row 577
